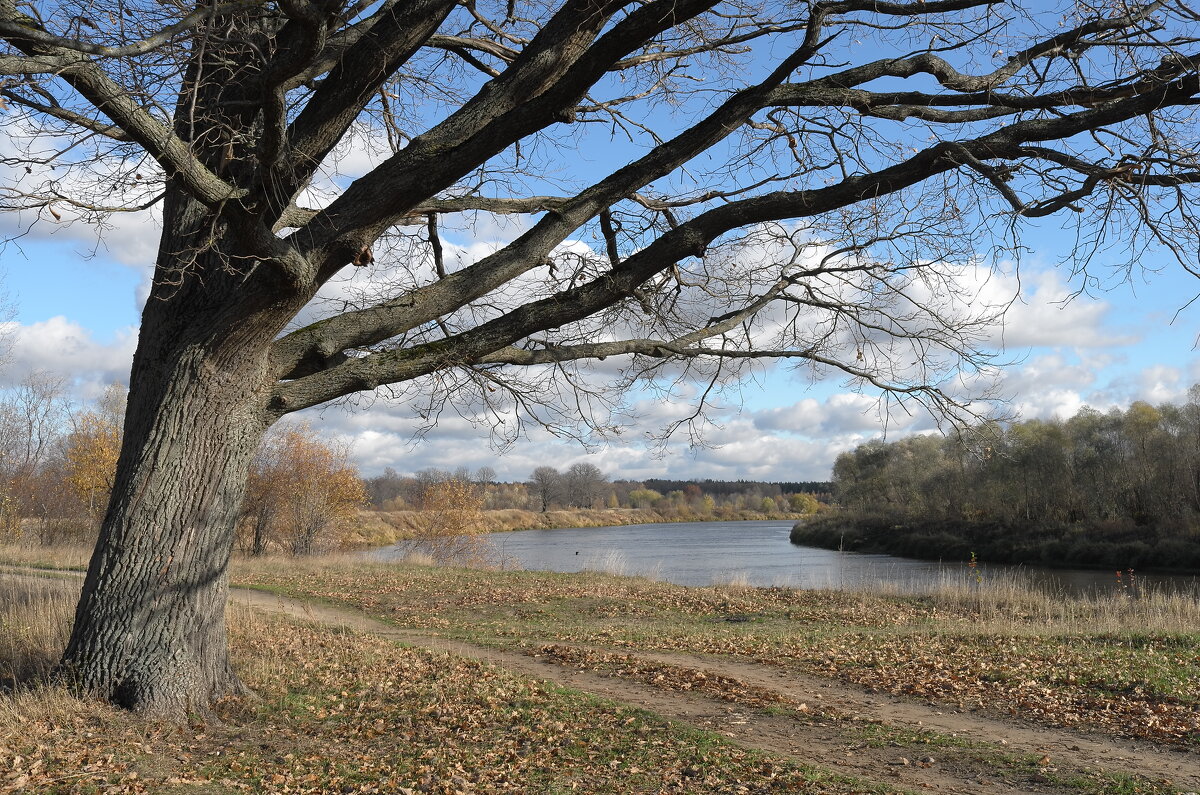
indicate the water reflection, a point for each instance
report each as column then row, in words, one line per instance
column 760, row 554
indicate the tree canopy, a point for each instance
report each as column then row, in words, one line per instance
column 776, row 179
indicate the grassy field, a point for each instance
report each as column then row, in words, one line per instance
column 340, row 712
column 343, row 711
column 1129, row 666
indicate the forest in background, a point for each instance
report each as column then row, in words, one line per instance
column 585, row 486
column 1119, row 489
column 58, row 459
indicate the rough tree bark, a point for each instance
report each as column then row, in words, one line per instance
column 149, row 632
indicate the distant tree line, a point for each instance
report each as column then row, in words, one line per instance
column 727, row 488
column 392, row 491
column 1118, row 489
column 585, row 486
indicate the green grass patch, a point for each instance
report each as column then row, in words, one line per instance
column 1067, row 664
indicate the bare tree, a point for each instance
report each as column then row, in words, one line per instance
column 33, row 419
column 582, row 484
column 546, row 485
column 485, row 476
column 800, row 181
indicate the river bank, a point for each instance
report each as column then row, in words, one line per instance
column 380, row 528
column 1113, row 546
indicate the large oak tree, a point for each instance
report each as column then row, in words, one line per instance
column 761, row 178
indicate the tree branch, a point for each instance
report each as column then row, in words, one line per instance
column 75, row 118
column 691, row 239
column 19, row 27
column 175, row 156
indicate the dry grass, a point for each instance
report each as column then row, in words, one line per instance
column 341, row 712
column 35, row 620
column 1007, row 603
column 63, row 556
column 609, row 561
column 733, row 580
column 35, row 616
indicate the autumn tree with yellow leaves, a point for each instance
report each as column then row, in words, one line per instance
column 91, row 450
column 448, row 526
column 302, row 495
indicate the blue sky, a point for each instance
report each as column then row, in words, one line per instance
column 77, row 308
column 78, row 301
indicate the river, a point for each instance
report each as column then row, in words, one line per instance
column 758, row 554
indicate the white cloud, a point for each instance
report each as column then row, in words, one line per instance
column 384, row 436
column 1048, row 404
column 839, row 414
column 1153, row 384
column 1161, row 384
column 133, row 239
column 1051, row 372
column 1047, row 315
column 59, row 345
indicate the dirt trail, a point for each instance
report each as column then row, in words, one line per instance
column 825, row 743
column 819, row 743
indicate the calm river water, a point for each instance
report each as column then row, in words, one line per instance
column 754, row 553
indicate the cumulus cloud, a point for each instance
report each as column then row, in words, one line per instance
column 59, row 345
column 757, row 456
column 744, row 452
column 735, row 446
column 1050, row 372
column 1154, row 384
column 1049, row 404
column 841, row 413
column 1045, row 314
column 1161, row 384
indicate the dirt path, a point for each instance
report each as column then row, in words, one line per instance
column 823, row 743
column 830, row 743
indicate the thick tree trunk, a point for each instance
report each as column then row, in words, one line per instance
column 149, row 631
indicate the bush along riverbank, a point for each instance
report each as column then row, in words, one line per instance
column 384, row 527
column 1116, row 545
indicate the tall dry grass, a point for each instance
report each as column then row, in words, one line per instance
column 35, row 623
column 46, row 556
column 608, row 561
column 1006, row 602
column 35, row 620
column 733, row 580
